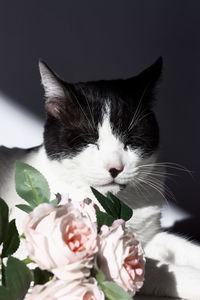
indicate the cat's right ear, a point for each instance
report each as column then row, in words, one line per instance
column 55, row 91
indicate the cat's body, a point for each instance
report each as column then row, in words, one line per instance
column 104, row 134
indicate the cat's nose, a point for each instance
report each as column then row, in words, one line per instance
column 114, row 172
column 115, row 164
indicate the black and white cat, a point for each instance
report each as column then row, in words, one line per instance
column 104, row 134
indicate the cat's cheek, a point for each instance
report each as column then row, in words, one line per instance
column 89, row 159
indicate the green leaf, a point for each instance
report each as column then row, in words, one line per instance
column 41, row 276
column 5, row 294
column 11, row 242
column 116, row 205
column 123, row 211
column 103, row 219
column 22, row 236
column 3, row 269
column 113, row 291
column 100, row 277
column 54, row 202
column 31, row 185
column 126, row 212
column 18, row 278
column 113, row 206
column 25, row 208
column 27, row 260
column 3, row 219
column 104, row 201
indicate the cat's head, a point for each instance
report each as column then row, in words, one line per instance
column 106, row 127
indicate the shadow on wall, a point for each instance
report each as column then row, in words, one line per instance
column 18, row 127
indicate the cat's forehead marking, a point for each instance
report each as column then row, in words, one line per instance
column 105, row 131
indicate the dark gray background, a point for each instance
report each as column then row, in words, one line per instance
column 85, row 40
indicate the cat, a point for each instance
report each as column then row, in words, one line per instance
column 104, row 134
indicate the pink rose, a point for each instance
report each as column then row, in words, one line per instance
column 61, row 240
column 61, row 290
column 86, row 206
column 121, row 257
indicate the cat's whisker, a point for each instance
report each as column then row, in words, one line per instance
column 156, row 178
column 137, row 120
column 137, row 111
column 162, row 173
column 153, row 167
column 146, row 190
column 138, row 186
column 92, row 118
column 144, row 116
column 158, row 174
column 75, row 97
column 166, row 164
column 154, row 187
column 134, row 121
column 163, row 186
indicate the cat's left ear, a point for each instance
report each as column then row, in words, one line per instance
column 152, row 74
column 55, row 92
column 146, row 82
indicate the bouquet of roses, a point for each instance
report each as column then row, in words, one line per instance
column 80, row 252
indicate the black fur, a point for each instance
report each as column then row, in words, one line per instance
column 72, row 121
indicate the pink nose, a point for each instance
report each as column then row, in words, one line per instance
column 114, row 172
column 114, row 165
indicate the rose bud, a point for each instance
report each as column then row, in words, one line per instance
column 121, row 257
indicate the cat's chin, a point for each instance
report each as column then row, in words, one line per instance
column 110, row 187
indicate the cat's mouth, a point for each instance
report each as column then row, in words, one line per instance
column 112, row 185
